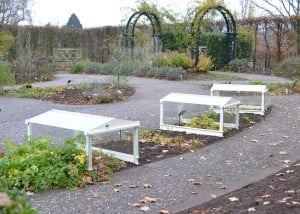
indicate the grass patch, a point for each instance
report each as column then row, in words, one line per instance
column 212, row 76
column 280, row 88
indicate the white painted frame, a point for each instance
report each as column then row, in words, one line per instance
column 89, row 125
column 220, row 102
column 244, row 107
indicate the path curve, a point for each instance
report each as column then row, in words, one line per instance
column 234, row 162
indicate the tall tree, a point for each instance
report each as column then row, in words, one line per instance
column 14, row 11
column 283, row 8
column 73, row 22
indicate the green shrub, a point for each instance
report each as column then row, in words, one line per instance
column 80, row 66
column 160, row 60
column 289, row 68
column 204, row 121
column 6, row 77
column 172, row 59
column 179, row 60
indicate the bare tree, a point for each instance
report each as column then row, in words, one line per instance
column 14, row 11
column 286, row 9
column 247, row 9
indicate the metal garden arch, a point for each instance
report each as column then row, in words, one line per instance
column 230, row 32
column 130, row 28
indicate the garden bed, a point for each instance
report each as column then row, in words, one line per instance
column 160, row 144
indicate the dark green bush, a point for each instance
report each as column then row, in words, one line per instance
column 216, row 46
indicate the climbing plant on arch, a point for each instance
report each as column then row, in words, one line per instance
column 130, row 30
column 230, row 31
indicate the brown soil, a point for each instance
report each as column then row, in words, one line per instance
column 153, row 151
column 83, row 96
column 278, row 193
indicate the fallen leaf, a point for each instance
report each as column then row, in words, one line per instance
column 151, row 200
column 29, row 193
column 233, row 199
column 279, row 174
column 164, row 212
column 254, row 141
column 272, row 187
column 295, row 203
column 202, row 158
column 251, row 209
column 147, row 185
column 284, row 200
column 96, row 194
column 283, row 153
column 117, row 185
column 168, row 175
column 194, row 193
column 223, row 187
column 116, row 190
column 213, row 195
column 197, row 183
column 266, row 196
column 286, row 161
column 290, row 171
column 145, row 208
column 87, row 179
column 133, row 186
column 136, row 204
column 291, row 191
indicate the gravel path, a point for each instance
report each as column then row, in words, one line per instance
column 232, row 163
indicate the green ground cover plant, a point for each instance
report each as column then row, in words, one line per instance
column 39, row 165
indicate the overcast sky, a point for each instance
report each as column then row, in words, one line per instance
column 96, row 13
